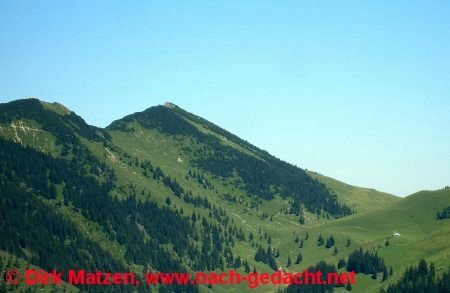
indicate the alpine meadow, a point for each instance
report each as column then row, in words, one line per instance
column 164, row 190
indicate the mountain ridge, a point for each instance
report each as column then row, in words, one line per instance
column 117, row 187
column 222, row 155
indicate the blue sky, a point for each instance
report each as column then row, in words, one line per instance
column 356, row 90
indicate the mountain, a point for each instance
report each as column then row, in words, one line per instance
column 166, row 190
column 357, row 198
column 223, row 155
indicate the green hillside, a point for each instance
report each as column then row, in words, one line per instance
column 414, row 218
column 165, row 190
column 358, row 198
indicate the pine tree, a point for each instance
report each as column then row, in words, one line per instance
column 237, row 262
column 330, row 242
column 246, row 267
column 52, row 191
column 272, row 263
column 341, row 263
column 302, row 219
column 385, row 274
column 349, row 286
column 289, row 262
column 298, row 259
column 423, row 267
column 320, row 240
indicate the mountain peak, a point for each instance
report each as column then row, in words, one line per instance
column 51, row 117
column 170, row 105
column 56, row 107
column 33, row 104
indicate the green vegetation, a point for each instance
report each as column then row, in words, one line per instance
column 264, row 176
column 421, row 278
column 165, row 190
column 365, row 262
column 322, row 267
column 357, row 198
column 444, row 214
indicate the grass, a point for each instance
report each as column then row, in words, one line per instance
column 29, row 133
column 378, row 215
column 358, row 198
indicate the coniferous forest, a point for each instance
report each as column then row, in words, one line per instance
column 164, row 190
column 421, row 278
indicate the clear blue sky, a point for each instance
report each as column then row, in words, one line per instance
column 357, row 90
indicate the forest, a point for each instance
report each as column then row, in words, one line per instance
column 258, row 174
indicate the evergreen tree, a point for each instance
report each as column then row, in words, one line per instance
column 341, row 263
column 298, row 259
column 367, row 262
column 52, row 191
column 246, row 267
column 302, row 220
column 385, row 274
column 421, row 278
column 330, row 242
column 237, row 262
column 320, row 240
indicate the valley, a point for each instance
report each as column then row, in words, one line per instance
column 166, row 190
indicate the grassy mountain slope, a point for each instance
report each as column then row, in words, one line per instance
column 358, row 198
column 166, row 163
column 262, row 175
column 414, row 218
